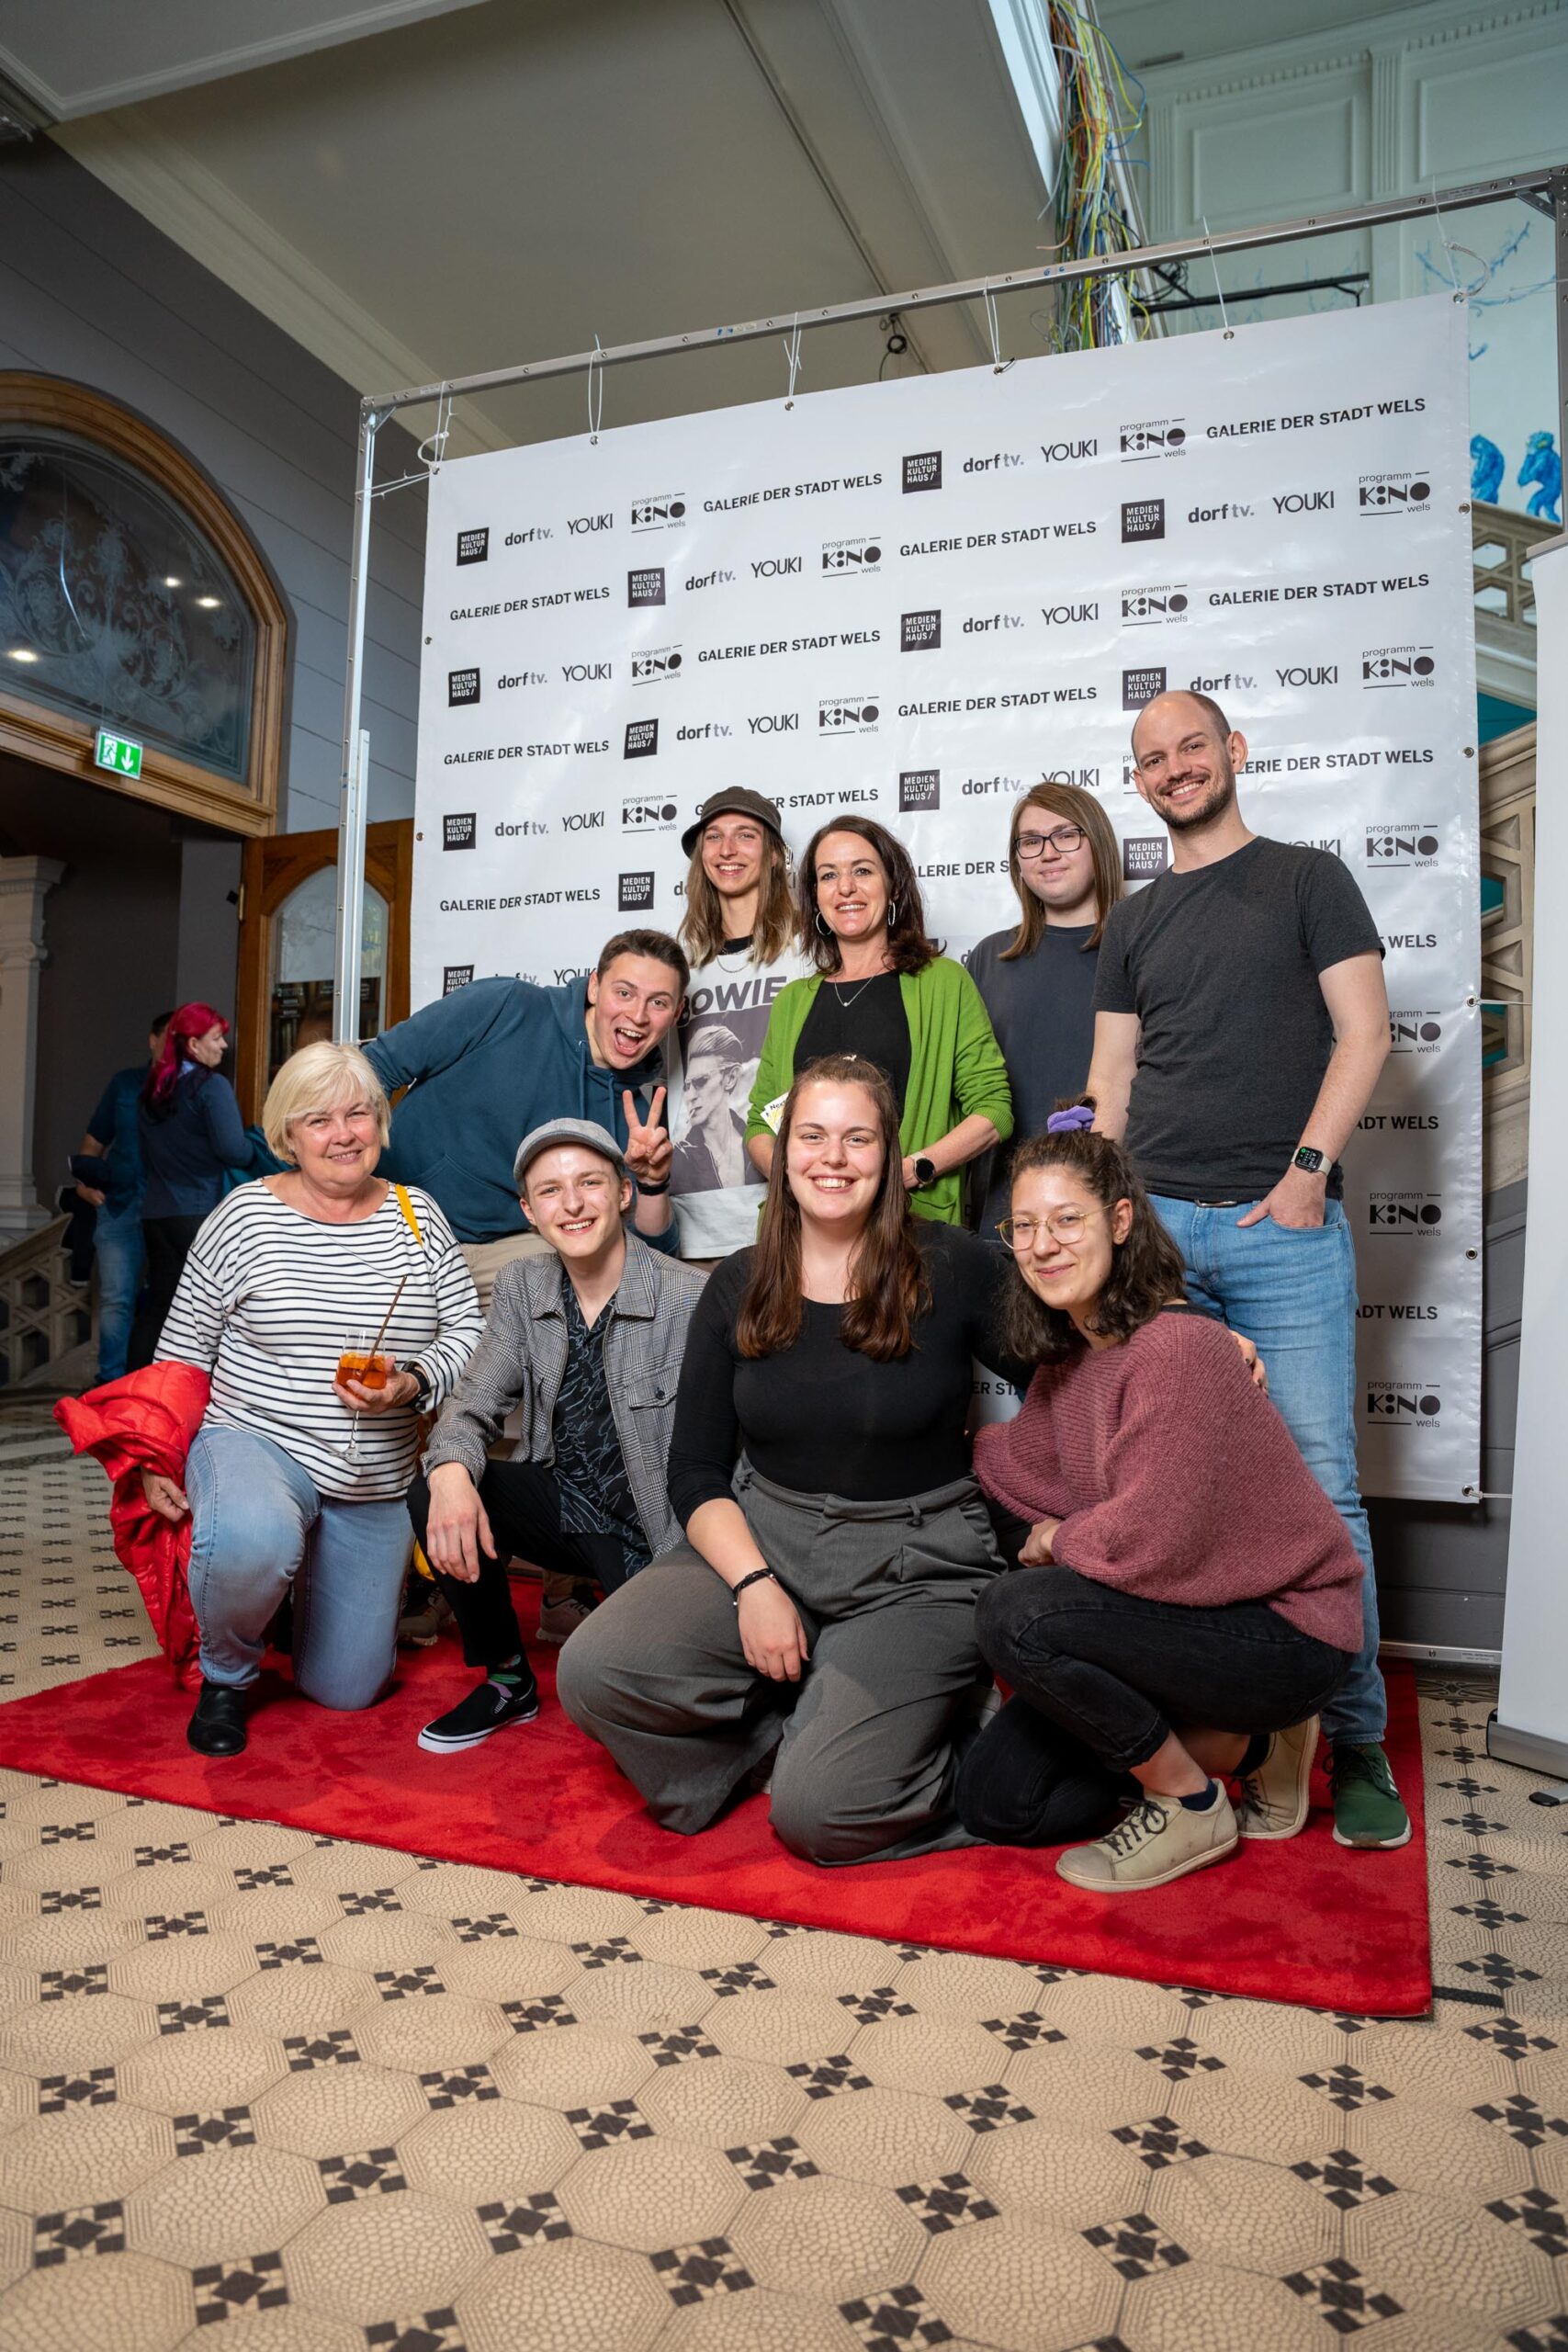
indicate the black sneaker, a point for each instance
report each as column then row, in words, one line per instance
column 490, row 1707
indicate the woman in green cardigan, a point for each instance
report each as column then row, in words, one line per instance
column 884, row 990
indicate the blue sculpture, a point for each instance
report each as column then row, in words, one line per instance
column 1486, row 467
column 1544, row 468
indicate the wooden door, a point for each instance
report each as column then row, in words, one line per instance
column 287, row 909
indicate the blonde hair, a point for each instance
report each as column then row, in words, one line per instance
column 319, row 1077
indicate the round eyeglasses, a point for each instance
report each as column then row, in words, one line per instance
column 1064, row 841
column 1066, row 1226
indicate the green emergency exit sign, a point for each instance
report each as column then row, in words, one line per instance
column 118, row 753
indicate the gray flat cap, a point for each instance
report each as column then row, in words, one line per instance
column 587, row 1131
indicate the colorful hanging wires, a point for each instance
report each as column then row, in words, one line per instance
column 1101, row 117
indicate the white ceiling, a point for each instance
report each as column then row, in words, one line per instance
column 508, row 181
column 1153, row 31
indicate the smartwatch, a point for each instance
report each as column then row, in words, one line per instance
column 925, row 1173
column 1309, row 1158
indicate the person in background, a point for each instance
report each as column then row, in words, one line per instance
column 500, row 1057
column 1187, row 1597
column 191, row 1133
column 589, row 1338
column 738, row 929
column 1241, row 1021
column 1037, row 980
column 884, row 990
column 114, row 1137
column 820, row 1614
column 296, row 1478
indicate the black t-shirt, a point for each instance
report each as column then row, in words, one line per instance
column 819, row 1416
column 1042, row 1007
column 865, row 1017
column 1220, row 967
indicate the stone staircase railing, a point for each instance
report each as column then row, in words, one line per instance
column 44, row 1315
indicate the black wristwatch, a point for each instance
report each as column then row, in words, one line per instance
column 422, row 1378
column 1308, row 1157
column 925, row 1173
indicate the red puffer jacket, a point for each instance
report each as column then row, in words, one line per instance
column 146, row 1421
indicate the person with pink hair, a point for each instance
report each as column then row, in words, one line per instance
column 192, row 1134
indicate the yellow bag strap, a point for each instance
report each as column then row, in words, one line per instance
column 409, row 1217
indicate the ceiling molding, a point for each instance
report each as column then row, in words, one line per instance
column 217, row 228
column 242, row 56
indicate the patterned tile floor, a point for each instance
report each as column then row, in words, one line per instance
column 331, row 2098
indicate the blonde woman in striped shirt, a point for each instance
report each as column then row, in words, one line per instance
column 296, row 1478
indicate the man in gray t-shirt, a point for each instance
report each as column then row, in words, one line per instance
column 1240, row 1023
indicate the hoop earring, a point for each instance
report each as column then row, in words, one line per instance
column 821, row 926
column 892, row 913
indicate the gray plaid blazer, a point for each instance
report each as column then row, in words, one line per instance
column 521, row 1360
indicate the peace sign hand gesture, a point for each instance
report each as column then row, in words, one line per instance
column 648, row 1148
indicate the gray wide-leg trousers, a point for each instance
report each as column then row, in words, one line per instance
column 864, row 1745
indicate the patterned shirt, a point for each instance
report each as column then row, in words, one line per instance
column 595, row 1492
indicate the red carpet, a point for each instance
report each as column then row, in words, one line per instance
column 1304, row 1921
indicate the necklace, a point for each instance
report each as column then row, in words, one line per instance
column 845, row 1001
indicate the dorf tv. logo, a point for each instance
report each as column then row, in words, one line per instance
column 853, row 716
column 646, row 586
column 642, row 739
column 919, row 632
column 460, row 832
column 462, row 687
column 851, row 555
column 1412, row 845
column 1140, row 686
column 1414, row 1214
column 473, row 546
column 1393, row 493
column 918, row 788
column 1143, row 858
column 1166, row 437
column 1397, row 665
column 1404, row 1403
column 662, row 513
column 1142, row 607
column 923, row 471
column 455, row 977
column 636, row 893
column 1142, row 518
column 664, row 661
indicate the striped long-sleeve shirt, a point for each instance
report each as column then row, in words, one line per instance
column 268, row 1300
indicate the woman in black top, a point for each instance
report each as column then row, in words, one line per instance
column 823, row 1604
column 192, row 1136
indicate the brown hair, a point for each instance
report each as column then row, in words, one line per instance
column 1146, row 1270
column 909, row 947
column 1080, row 808
column 702, row 932
column 888, row 1272
column 657, row 945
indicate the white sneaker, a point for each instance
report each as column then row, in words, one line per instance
column 1160, row 1840
column 1274, row 1795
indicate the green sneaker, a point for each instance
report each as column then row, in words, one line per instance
column 1367, row 1808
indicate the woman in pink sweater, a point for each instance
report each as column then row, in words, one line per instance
column 1187, row 1597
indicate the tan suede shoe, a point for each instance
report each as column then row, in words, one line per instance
column 1159, row 1841
column 1274, row 1796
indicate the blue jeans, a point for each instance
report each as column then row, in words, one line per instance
column 258, row 1526
column 117, row 1245
column 1293, row 1292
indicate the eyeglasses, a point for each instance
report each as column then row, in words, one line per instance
column 1066, row 1225
column 1064, row 841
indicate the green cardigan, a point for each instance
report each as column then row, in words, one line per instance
column 956, row 1069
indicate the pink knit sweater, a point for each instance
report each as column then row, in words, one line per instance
column 1176, row 1479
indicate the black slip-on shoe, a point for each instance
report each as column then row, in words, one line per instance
column 218, row 1726
column 489, row 1707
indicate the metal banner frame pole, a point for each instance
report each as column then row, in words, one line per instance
column 1546, row 190
column 354, row 782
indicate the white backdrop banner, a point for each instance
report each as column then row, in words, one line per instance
column 915, row 599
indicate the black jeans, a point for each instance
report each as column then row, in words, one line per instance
column 168, row 1240
column 1100, row 1679
column 522, row 1502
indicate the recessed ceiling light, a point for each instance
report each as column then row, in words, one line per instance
column 170, row 582
column 209, row 604
column 22, row 653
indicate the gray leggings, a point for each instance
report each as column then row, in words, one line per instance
column 866, row 1760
